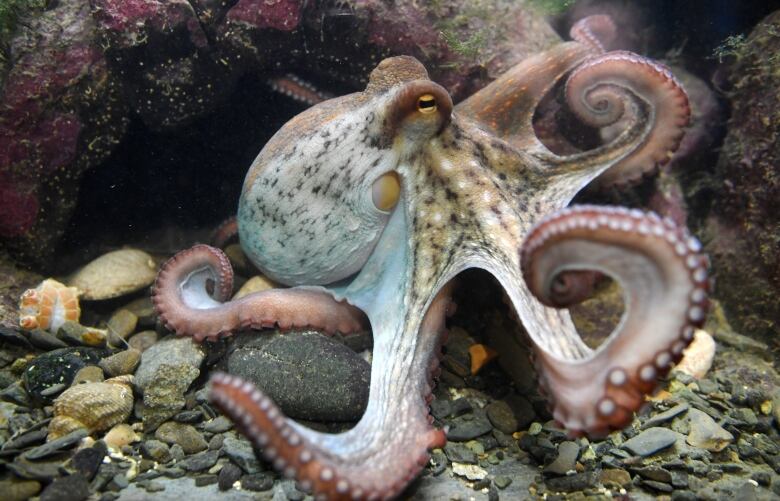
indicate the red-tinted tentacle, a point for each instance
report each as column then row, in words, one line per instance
column 597, row 31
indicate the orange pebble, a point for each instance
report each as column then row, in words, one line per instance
column 481, row 355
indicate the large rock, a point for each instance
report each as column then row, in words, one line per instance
column 309, row 375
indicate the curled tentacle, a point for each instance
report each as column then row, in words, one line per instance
column 393, row 437
column 664, row 280
column 184, row 304
column 597, row 31
column 225, row 232
column 598, row 91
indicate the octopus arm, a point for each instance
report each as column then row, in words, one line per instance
column 665, row 284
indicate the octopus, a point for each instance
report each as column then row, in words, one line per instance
column 368, row 206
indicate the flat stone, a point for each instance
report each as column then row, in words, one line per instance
column 460, row 453
column 156, row 450
column 121, row 363
column 657, row 486
column 257, row 482
column 204, row 480
column 665, row 416
column 566, row 460
column 56, row 445
column 650, row 441
column 19, row 490
column 200, row 461
column 463, row 429
column 121, row 324
column 219, row 424
column 501, row 416
column 45, row 340
column 70, row 488
column 87, row 461
column 228, row 475
column 705, row 433
column 143, row 340
column 307, row 374
column 615, row 476
column 89, row 374
column 571, row 483
column 186, row 436
column 241, row 453
column 654, row 473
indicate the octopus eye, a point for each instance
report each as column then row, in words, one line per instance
column 386, row 191
column 426, row 103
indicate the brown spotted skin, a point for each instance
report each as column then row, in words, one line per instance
column 475, row 182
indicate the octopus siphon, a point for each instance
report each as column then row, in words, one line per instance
column 369, row 204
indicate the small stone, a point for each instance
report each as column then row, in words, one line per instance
column 292, row 494
column 153, row 486
column 190, row 439
column 228, row 475
column 70, row 488
column 745, row 417
column 219, row 424
column 476, row 447
column 118, row 483
column 204, row 480
column 535, row 428
column 683, row 495
column 459, row 453
column 500, row 414
column 144, row 310
column 143, row 340
column 121, row 363
column 56, row 445
column 87, row 461
column 650, row 441
column 241, row 453
column 502, row 481
column 193, row 416
column 121, row 324
column 257, row 283
column 177, row 453
column 71, row 333
column 460, row 407
column 658, row 486
column 571, row 483
column 665, row 416
column 615, row 477
column 216, row 442
column 654, row 473
column 156, row 450
column 89, row 374
column 762, row 478
column 462, row 429
column 440, row 408
column 706, row 433
column 45, row 340
column 200, row 461
column 566, row 460
column 257, row 482
column 469, row 471
column 19, row 490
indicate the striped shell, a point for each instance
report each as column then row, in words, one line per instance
column 48, row 306
column 94, row 406
column 115, row 274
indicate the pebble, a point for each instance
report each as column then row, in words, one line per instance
column 56, row 445
column 121, row 363
column 219, row 424
column 57, row 367
column 440, row 408
column 143, row 309
column 654, row 473
column 616, row 477
column 184, row 435
column 502, row 481
column 204, row 480
column 166, row 371
column 156, row 450
column 307, row 374
column 228, row 475
column 45, row 340
column 258, row 283
column 705, row 433
column 216, row 442
column 665, row 416
column 257, row 482
column 570, row 483
column 200, row 461
column 177, row 453
column 241, row 453
column 292, row 494
column 658, row 486
column 87, row 461
column 463, row 429
column 460, row 453
column 70, row 488
column 73, row 333
column 19, row 490
column 650, row 441
column 566, row 460
column 501, row 416
column 88, row 374
column 143, row 340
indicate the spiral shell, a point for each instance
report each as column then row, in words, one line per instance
column 48, row 306
column 94, row 406
column 115, row 274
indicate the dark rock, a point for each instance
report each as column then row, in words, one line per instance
column 257, row 482
column 118, row 482
column 500, row 414
column 650, row 441
column 665, row 416
column 121, row 363
column 459, row 453
column 440, row 408
column 469, row 427
column 706, row 433
column 27, row 439
column 568, row 452
column 56, row 445
column 292, row 494
column 45, row 340
column 679, row 479
column 460, row 407
column 241, row 453
column 200, row 461
column 571, row 483
column 762, row 478
column 654, row 473
column 216, row 442
column 682, row 495
column 228, row 475
column 219, row 424
column 615, row 477
column 204, row 480
column 184, row 435
column 156, row 450
column 57, row 367
column 70, row 488
column 657, row 486
column 438, row 463
column 193, row 416
column 19, row 490
column 87, row 461
column 307, row 374
column 15, row 393
column 502, row 481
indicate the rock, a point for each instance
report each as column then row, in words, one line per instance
column 57, row 367
column 156, row 450
column 120, row 326
column 115, row 274
column 76, row 334
column 241, row 453
column 615, row 477
column 307, row 374
column 706, row 433
column 219, row 424
column 143, row 340
column 19, row 490
column 650, row 441
column 665, row 416
column 70, row 488
column 200, row 461
column 45, row 340
column 654, row 473
column 89, row 374
column 204, row 480
column 54, row 446
column 500, row 414
column 87, row 461
column 255, row 284
column 121, row 363
column 228, row 475
column 257, row 482
column 469, row 427
column 568, row 452
column 143, row 309
column 469, row 471
column 459, row 453
column 166, row 371
column 571, row 483
column 190, row 439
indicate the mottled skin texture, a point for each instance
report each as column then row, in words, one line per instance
column 478, row 190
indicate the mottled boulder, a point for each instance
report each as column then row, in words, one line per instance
column 743, row 222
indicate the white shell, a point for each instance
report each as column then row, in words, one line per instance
column 115, row 274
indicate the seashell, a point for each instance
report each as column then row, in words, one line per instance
column 115, row 274
column 48, row 306
column 698, row 356
column 94, row 406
